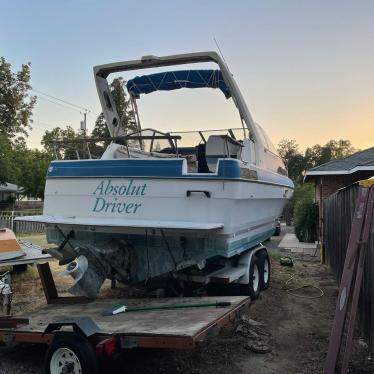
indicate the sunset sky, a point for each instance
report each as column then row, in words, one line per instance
column 305, row 68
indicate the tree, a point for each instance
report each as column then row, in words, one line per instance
column 16, row 103
column 67, row 151
column 6, row 160
column 124, row 110
column 301, row 208
column 340, row 148
column 292, row 158
column 125, row 113
column 297, row 163
column 100, row 131
column 332, row 150
column 123, row 106
column 32, row 171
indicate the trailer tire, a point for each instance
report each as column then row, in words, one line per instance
column 264, row 267
column 252, row 288
column 73, row 352
column 277, row 231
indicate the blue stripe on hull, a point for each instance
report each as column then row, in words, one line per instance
column 242, row 245
column 227, row 168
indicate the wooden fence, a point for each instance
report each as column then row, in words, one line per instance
column 338, row 213
column 7, row 219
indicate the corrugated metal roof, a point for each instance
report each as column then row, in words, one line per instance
column 360, row 159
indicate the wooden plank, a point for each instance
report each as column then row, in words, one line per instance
column 48, row 282
column 346, row 281
column 358, row 281
column 339, row 209
column 174, row 342
column 9, row 321
column 181, row 322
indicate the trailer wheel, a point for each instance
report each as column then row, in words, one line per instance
column 252, row 288
column 264, row 267
column 70, row 353
column 277, row 231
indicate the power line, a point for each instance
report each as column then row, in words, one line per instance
column 44, row 124
column 93, row 115
column 41, row 129
column 60, row 104
column 68, row 107
column 58, row 99
column 78, row 107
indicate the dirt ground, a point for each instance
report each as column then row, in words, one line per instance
column 294, row 329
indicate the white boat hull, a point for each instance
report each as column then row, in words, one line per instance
column 171, row 228
column 238, row 205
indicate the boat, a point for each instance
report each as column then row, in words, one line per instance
column 141, row 211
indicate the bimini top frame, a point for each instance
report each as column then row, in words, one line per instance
column 101, row 72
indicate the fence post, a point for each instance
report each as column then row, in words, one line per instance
column 12, row 224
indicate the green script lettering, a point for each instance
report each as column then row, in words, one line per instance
column 100, row 188
column 109, row 188
column 99, row 205
column 143, row 190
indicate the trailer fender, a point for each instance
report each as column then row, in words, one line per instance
column 84, row 325
column 245, row 260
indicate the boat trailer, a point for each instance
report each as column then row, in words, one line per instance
column 91, row 336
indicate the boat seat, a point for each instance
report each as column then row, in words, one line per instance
column 221, row 146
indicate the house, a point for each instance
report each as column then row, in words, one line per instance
column 9, row 192
column 333, row 175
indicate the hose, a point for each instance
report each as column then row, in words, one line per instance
column 290, row 291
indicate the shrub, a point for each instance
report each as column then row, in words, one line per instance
column 302, row 191
column 305, row 215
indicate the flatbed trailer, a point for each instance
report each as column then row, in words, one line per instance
column 78, row 334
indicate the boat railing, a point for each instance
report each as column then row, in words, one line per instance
column 81, row 146
column 89, row 147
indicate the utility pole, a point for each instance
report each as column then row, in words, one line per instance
column 84, row 129
column 84, row 122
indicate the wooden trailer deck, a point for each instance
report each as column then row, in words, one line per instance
column 171, row 328
column 174, row 322
column 174, row 328
column 80, row 326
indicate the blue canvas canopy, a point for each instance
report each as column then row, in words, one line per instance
column 174, row 80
